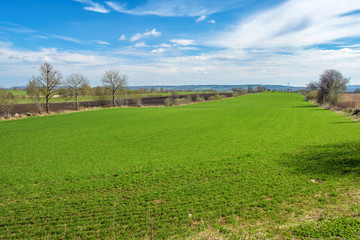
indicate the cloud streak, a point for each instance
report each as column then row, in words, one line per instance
column 65, row 38
column 294, row 24
column 138, row 36
column 183, row 42
column 178, row 7
column 93, row 6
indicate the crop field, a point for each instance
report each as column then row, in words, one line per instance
column 350, row 100
column 267, row 165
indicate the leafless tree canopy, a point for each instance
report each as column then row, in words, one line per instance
column 114, row 80
column 7, row 100
column 48, row 80
column 34, row 92
column 331, row 84
column 76, row 82
column 312, row 86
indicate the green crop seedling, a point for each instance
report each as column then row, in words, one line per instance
column 267, row 165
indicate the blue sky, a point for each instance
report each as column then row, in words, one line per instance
column 159, row 42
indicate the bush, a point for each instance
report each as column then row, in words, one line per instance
column 347, row 110
column 189, row 98
column 311, row 95
column 169, row 101
column 137, row 100
column 181, row 101
column 211, row 98
column 200, row 99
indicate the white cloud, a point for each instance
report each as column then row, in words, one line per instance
column 183, row 42
column 65, row 38
column 165, row 45
column 122, row 38
column 212, row 21
column 139, row 36
column 116, row 6
column 158, row 50
column 140, row 44
column 173, row 8
column 294, row 24
column 229, row 66
column 201, row 18
column 102, row 42
column 93, row 6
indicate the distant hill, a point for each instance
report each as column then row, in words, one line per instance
column 220, row 88
column 352, row 88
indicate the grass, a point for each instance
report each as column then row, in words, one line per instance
column 19, row 93
column 261, row 166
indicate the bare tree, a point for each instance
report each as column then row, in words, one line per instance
column 331, row 84
column 7, row 100
column 33, row 90
column 312, row 86
column 76, row 82
column 48, row 80
column 114, row 80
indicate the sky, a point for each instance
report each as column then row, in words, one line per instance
column 181, row 42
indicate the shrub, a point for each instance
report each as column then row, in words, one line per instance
column 137, row 100
column 181, row 101
column 200, row 99
column 189, row 98
column 311, row 95
column 169, row 101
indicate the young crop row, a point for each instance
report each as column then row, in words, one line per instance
column 264, row 166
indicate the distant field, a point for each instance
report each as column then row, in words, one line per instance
column 18, row 92
column 23, row 98
column 351, row 100
column 267, row 165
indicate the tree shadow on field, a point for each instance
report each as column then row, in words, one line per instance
column 345, row 122
column 312, row 107
column 336, row 160
column 305, row 106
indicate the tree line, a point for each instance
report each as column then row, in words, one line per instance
column 50, row 83
column 47, row 83
column 249, row 89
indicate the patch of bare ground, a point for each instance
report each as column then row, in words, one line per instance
column 208, row 234
column 339, row 203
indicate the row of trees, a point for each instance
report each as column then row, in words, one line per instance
column 46, row 85
column 250, row 89
column 328, row 88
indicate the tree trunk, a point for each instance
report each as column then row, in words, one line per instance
column 47, row 105
column 38, row 106
column 113, row 100
column 77, row 102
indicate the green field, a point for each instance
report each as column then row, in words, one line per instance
column 267, row 165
